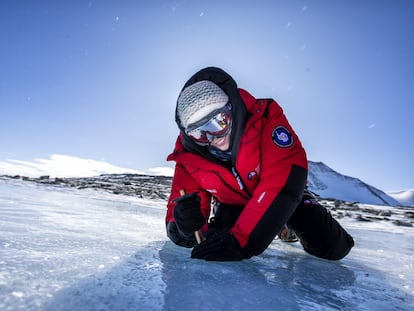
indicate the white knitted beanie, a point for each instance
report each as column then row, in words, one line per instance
column 198, row 100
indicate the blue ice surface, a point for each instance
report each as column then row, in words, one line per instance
column 70, row 249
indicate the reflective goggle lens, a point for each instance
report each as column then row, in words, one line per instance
column 217, row 126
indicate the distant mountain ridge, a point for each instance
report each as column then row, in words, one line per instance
column 330, row 184
column 404, row 197
column 322, row 180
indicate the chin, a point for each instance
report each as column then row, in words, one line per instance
column 223, row 147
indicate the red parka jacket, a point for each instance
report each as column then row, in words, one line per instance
column 267, row 177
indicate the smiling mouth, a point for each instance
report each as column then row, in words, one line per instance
column 219, row 141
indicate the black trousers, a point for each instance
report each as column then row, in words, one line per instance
column 319, row 233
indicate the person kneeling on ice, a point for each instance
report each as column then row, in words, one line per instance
column 239, row 160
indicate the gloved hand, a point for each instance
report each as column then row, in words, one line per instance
column 219, row 246
column 187, row 213
column 178, row 237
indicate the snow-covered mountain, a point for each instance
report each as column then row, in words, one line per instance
column 322, row 179
column 330, row 184
column 404, row 197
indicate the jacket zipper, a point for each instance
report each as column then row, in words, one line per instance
column 240, row 181
column 243, row 194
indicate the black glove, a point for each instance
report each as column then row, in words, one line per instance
column 187, row 213
column 178, row 237
column 219, row 246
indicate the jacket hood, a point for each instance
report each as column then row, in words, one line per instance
column 239, row 111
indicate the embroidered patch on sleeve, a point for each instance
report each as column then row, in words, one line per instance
column 282, row 137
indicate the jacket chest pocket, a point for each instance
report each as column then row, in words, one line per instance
column 222, row 185
column 248, row 165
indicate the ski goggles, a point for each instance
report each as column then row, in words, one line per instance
column 215, row 125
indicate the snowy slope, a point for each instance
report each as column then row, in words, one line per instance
column 68, row 249
column 330, row 184
column 404, row 197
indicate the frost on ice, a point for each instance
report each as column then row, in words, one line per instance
column 68, row 249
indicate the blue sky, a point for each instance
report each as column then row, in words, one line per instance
column 99, row 79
